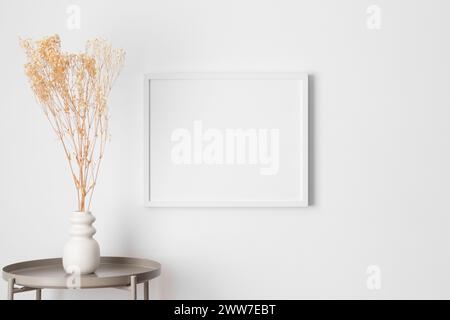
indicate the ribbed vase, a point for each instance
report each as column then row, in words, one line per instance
column 82, row 252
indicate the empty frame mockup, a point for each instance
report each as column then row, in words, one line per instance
column 226, row 140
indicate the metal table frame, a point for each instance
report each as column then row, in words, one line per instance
column 19, row 281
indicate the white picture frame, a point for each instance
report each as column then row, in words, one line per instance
column 163, row 95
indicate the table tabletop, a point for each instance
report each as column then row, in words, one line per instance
column 112, row 272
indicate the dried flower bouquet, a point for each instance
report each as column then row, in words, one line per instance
column 73, row 91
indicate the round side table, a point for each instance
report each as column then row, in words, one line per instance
column 113, row 272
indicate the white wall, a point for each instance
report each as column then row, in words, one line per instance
column 380, row 128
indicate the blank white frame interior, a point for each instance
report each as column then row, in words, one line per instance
column 260, row 100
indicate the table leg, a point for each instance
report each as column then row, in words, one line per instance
column 145, row 290
column 38, row 294
column 133, row 288
column 11, row 289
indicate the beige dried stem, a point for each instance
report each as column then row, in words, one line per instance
column 73, row 91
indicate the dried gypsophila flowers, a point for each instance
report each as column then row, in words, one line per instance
column 73, row 91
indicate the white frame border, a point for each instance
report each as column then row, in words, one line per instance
column 219, row 75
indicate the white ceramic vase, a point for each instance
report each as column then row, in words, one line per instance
column 81, row 253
